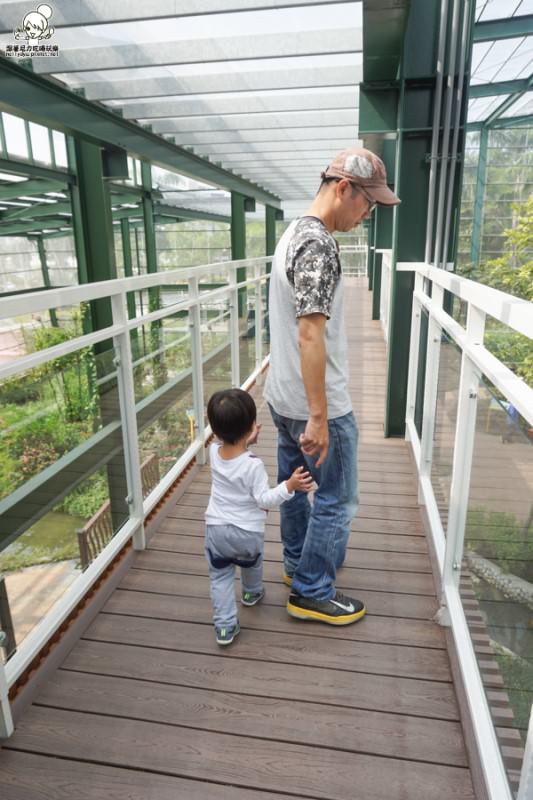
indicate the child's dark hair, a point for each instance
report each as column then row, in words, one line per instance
column 231, row 414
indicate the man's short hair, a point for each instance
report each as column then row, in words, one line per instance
column 231, row 414
column 327, row 179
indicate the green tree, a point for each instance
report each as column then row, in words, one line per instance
column 511, row 273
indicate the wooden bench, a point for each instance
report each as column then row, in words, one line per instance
column 98, row 531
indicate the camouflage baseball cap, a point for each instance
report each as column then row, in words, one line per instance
column 366, row 169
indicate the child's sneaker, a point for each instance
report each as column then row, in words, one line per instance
column 227, row 635
column 287, row 579
column 252, row 598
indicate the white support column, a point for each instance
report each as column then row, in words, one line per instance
column 258, row 318
column 465, row 431
column 430, row 391
column 197, row 367
column 6, row 718
column 128, row 417
column 414, row 349
column 525, row 790
column 234, row 328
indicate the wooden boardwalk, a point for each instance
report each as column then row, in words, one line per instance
column 147, row 707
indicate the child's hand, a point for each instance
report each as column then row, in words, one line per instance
column 300, row 481
column 253, row 437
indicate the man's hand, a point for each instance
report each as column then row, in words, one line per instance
column 315, row 439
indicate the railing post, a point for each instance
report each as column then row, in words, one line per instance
column 414, row 349
column 258, row 317
column 197, row 366
column 128, row 417
column 6, row 718
column 525, row 790
column 234, row 328
column 430, row 391
column 465, row 431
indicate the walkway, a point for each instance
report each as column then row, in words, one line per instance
column 147, row 707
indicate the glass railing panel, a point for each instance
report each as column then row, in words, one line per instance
column 161, row 352
column 497, row 584
column 63, row 479
column 216, row 347
column 445, row 421
column 163, row 390
column 421, row 371
column 247, row 334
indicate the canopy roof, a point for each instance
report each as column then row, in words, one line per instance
column 268, row 89
column 502, row 62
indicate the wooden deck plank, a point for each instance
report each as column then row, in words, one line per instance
column 322, row 773
column 408, row 543
column 259, row 716
column 347, row 577
column 366, row 559
column 367, row 511
column 409, row 696
column 309, row 648
column 29, row 776
column 388, row 604
column 378, row 629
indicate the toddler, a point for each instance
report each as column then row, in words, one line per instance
column 236, row 513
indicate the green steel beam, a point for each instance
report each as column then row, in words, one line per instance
column 513, row 122
column 29, row 188
column 36, row 212
column 32, row 170
column 154, row 293
column 99, row 241
column 270, row 231
column 510, row 101
column 481, row 180
column 49, row 103
column 384, row 25
column 238, row 241
column 499, row 87
column 97, row 226
column 46, row 276
column 508, row 28
column 403, row 227
column 27, row 228
column 189, row 213
column 128, row 273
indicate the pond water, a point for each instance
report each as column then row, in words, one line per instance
column 52, row 538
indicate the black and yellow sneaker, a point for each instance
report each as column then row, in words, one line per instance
column 287, row 579
column 340, row 610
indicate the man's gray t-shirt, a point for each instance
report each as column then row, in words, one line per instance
column 306, row 279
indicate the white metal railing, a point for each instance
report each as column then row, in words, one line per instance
column 119, row 331
column 476, row 361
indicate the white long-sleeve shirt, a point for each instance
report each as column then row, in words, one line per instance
column 240, row 492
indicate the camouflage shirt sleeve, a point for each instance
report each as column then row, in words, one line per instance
column 313, row 267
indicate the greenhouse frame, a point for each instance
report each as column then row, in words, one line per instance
column 152, row 154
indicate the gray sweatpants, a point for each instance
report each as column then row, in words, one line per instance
column 227, row 546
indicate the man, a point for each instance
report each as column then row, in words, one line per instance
column 307, row 385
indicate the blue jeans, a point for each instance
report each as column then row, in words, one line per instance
column 315, row 536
